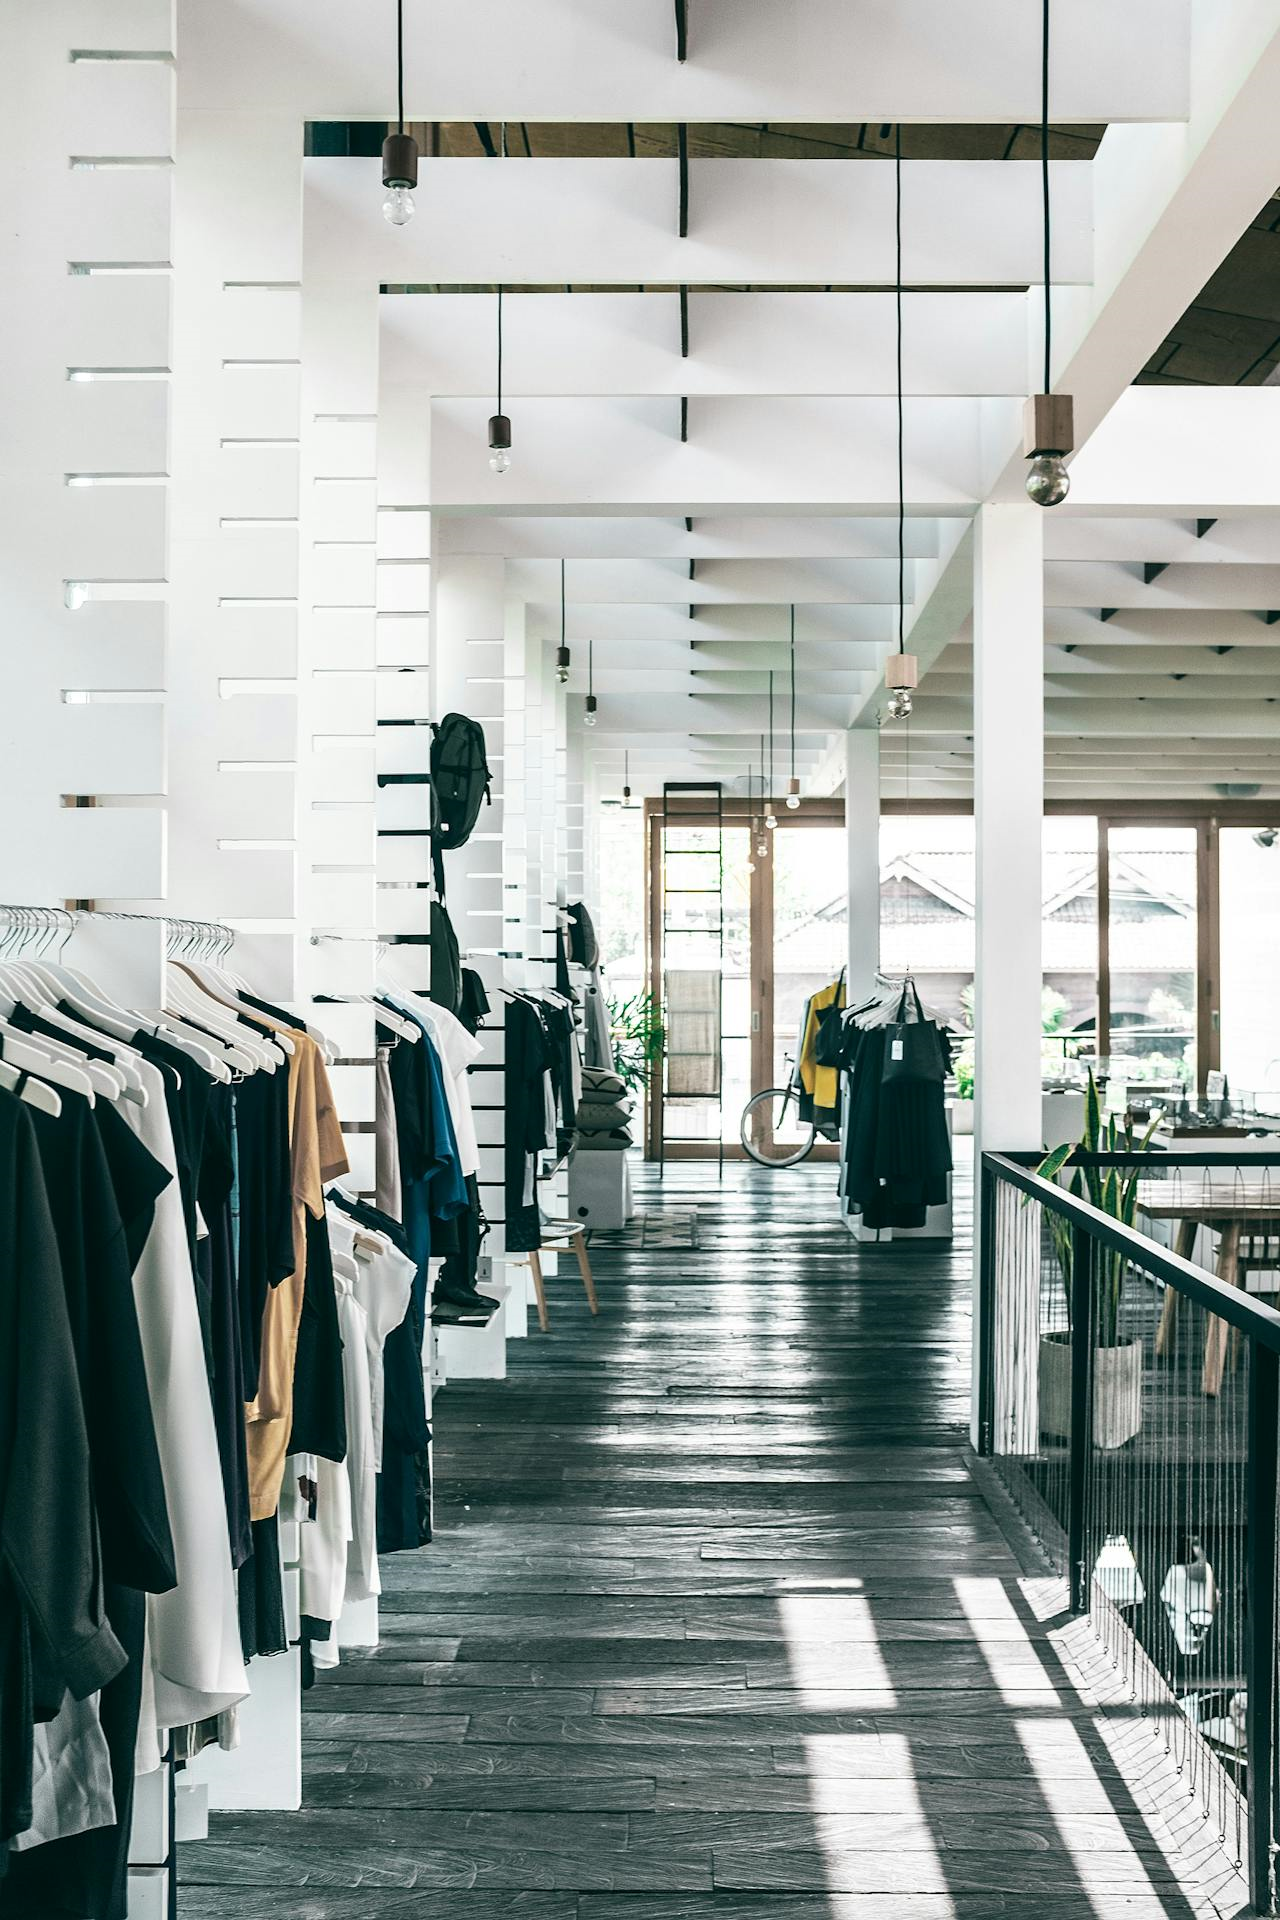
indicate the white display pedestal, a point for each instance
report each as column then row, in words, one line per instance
column 477, row 1353
column 600, row 1189
column 264, row 1773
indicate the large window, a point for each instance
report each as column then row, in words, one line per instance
column 1249, row 943
column 1160, row 937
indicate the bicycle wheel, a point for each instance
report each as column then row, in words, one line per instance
column 772, row 1131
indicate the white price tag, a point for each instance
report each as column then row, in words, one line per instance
column 895, row 1050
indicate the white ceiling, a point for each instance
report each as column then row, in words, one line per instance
column 685, row 549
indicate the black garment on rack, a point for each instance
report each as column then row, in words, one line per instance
column 475, row 1001
column 319, row 1399
column 86, row 1873
column 54, row 1633
column 528, row 1056
column 266, row 1205
column 216, row 1275
column 897, row 1148
column 558, row 1022
column 187, row 1087
column 97, row 1274
column 404, row 1488
column 260, row 1593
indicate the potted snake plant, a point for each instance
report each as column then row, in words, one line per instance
column 1117, row 1362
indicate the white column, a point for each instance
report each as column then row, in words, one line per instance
column 1008, row 791
column 862, row 851
column 1008, row 795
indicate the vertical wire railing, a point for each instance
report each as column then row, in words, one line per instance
column 1129, row 1403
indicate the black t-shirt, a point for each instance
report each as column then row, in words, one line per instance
column 266, row 1205
column 97, row 1273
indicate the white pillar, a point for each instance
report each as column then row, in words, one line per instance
column 862, row 846
column 1008, row 793
column 1008, row 799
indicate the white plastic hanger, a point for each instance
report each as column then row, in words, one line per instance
column 22, row 982
column 210, row 1010
column 19, row 1052
column 33, row 1093
column 217, row 989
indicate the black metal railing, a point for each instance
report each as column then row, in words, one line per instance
column 1129, row 1403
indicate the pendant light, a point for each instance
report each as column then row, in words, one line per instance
column 793, row 784
column 1049, row 429
column 901, row 669
column 562, row 651
column 626, row 777
column 399, row 149
column 589, row 716
column 770, row 818
column 499, row 425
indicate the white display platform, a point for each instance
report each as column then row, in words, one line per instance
column 600, row 1189
column 477, row 1353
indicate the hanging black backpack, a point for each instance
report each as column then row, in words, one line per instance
column 459, row 782
column 583, row 947
column 459, row 779
column 446, row 961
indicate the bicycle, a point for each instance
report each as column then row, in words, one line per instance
column 762, row 1127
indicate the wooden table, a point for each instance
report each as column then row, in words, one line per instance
column 1228, row 1208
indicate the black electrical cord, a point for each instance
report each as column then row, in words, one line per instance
column 562, row 603
column 499, row 349
column 793, row 689
column 400, row 64
column 1044, row 183
column 902, row 487
column 591, row 681
column 771, row 740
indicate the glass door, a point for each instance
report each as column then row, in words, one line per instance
column 802, row 937
column 772, row 923
column 1151, row 962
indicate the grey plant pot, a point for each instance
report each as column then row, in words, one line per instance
column 1117, row 1390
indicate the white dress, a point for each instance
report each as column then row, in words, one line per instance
column 196, row 1667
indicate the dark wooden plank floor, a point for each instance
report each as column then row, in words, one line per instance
column 715, row 1624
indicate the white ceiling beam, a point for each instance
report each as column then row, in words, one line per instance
column 1238, row 541
column 763, row 222
column 1110, row 583
column 713, row 537
column 739, row 343
column 641, row 623
column 741, row 455
column 774, row 583
column 818, row 60
column 1220, row 718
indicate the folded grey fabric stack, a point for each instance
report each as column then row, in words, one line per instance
column 604, row 1113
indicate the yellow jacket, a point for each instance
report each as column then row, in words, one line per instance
column 821, row 1082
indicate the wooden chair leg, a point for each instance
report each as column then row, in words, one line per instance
column 539, row 1291
column 584, row 1268
column 1167, row 1331
column 1215, row 1333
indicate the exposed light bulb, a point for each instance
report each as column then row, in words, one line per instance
column 398, row 207
column 1048, row 482
column 589, row 715
column 499, row 443
column 762, row 849
column 793, row 801
column 74, row 593
column 900, row 704
column 770, row 821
